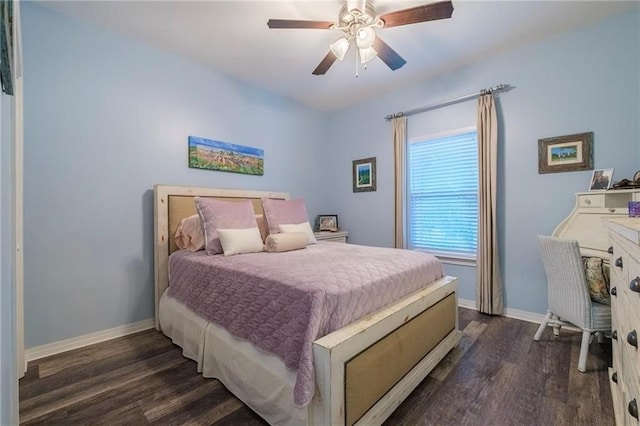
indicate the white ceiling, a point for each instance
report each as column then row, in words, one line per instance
column 232, row 37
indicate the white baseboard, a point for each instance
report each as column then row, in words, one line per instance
column 86, row 340
column 515, row 313
column 511, row 313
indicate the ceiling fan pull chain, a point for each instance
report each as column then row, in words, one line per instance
column 356, row 56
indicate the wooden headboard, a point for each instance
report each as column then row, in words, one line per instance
column 174, row 203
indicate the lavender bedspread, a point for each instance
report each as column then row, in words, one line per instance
column 282, row 302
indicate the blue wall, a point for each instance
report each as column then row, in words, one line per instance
column 105, row 120
column 587, row 80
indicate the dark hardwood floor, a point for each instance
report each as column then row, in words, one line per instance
column 497, row 376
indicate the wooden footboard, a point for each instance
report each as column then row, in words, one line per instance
column 366, row 369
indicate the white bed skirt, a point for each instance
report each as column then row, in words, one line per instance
column 258, row 379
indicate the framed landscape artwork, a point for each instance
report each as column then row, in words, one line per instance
column 565, row 153
column 225, row 157
column 364, row 175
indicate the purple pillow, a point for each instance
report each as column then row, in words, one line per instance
column 283, row 212
column 224, row 215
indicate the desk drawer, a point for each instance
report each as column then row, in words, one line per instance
column 595, row 200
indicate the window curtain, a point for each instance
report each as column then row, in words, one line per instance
column 6, row 46
column 399, row 146
column 488, row 281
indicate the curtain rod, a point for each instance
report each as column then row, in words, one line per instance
column 495, row 89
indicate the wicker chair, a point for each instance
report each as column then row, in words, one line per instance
column 568, row 292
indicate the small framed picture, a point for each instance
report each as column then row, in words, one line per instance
column 327, row 222
column 601, row 179
column 565, row 153
column 364, row 175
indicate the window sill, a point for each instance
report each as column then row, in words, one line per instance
column 456, row 261
column 451, row 259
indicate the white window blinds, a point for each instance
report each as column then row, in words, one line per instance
column 442, row 198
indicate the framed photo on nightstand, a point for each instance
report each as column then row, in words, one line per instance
column 327, row 222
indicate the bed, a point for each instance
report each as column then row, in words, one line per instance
column 401, row 341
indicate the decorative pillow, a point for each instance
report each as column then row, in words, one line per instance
column 301, row 227
column 278, row 212
column 189, row 234
column 238, row 241
column 597, row 275
column 286, row 242
column 216, row 214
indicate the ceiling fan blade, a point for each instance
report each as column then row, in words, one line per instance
column 388, row 55
column 292, row 23
column 427, row 12
column 325, row 64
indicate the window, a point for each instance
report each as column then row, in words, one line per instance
column 442, row 194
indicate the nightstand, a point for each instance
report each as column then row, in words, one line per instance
column 332, row 237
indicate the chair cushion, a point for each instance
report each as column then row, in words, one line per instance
column 600, row 316
column 596, row 271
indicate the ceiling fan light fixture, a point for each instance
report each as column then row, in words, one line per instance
column 340, row 47
column 357, row 19
column 367, row 54
column 365, row 36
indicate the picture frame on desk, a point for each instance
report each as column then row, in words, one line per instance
column 601, row 179
column 565, row 153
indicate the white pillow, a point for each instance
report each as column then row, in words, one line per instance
column 285, row 241
column 238, row 241
column 300, row 227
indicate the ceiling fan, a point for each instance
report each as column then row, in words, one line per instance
column 358, row 21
